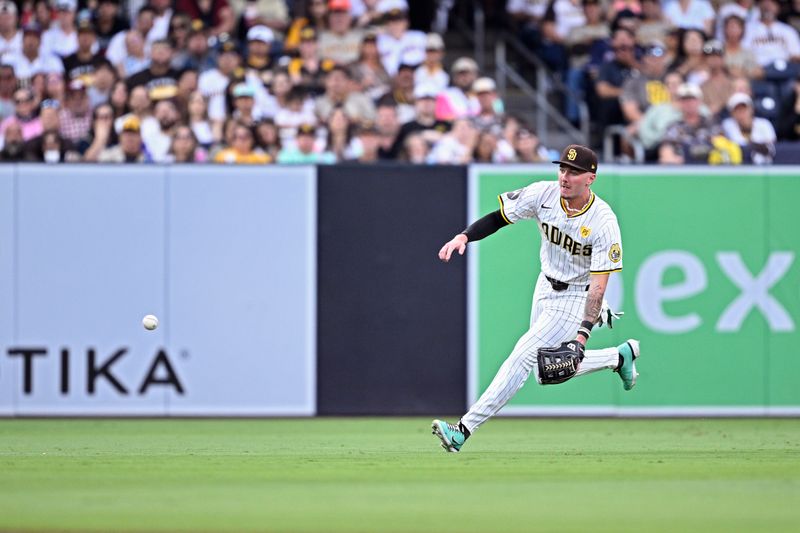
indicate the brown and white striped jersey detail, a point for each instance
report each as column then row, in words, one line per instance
column 574, row 245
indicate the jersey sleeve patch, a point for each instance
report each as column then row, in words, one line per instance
column 615, row 253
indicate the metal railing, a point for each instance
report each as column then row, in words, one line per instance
column 544, row 81
column 475, row 33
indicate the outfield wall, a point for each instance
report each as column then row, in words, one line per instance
column 88, row 250
column 294, row 291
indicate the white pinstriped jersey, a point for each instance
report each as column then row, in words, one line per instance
column 573, row 244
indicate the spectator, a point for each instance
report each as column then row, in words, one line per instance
column 339, row 90
column 308, row 69
column 242, row 149
column 159, row 141
column 388, row 126
column 243, row 100
column 561, row 18
column 485, row 150
column 457, row 146
column 658, row 118
column 654, row 25
column 316, row 17
column 432, row 71
column 10, row 35
column 42, row 14
column 645, row 87
column 528, row 15
column 101, row 135
column 31, row 59
column 197, row 55
column 691, row 14
column 618, row 6
column 396, row 40
column 754, row 135
column 488, row 116
column 338, row 136
column 117, row 47
column 160, row 79
column 789, row 117
column 299, row 110
column 691, row 62
column 83, row 63
column 187, row 84
column 140, row 106
column 109, row 21
column 272, row 14
column 742, row 9
column 215, row 14
column 368, row 144
column 8, row 83
column 197, row 119
column 54, row 87
column 739, row 61
column 119, row 99
column 304, row 151
column 135, row 60
column 375, row 82
column 185, row 148
column 772, row 42
column 529, row 149
column 695, row 138
column 340, row 42
column 424, row 123
column 180, row 27
column 415, row 149
column 267, row 138
column 61, row 38
column 13, row 142
column 162, row 15
column 24, row 116
column 718, row 87
column 52, row 148
column 49, row 117
column 259, row 43
column 403, row 86
column 612, row 77
column 130, row 148
column 214, row 83
column 456, row 102
column 369, row 16
column 76, row 116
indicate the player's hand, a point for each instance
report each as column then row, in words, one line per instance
column 459, row 242
column 607, row 315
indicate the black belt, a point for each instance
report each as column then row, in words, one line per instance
column 560, row 285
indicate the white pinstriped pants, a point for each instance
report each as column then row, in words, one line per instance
column 555, row 317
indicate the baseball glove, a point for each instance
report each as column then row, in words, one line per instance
column 560, row 363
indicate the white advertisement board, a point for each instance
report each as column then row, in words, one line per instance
column 225, row 257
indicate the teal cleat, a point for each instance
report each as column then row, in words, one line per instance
column 627, row 371
column 451, row 436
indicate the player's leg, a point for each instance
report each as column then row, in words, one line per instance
column 620, row 359
column 511, row 376
column 549, row 329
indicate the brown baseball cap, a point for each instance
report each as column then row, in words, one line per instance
column 580, row 157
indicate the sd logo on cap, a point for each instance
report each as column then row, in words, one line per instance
column 579, row 157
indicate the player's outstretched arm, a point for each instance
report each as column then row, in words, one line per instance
column 481, row 228
column 594, row 302
column 457, row 243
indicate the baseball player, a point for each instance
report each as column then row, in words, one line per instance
column 581, row 246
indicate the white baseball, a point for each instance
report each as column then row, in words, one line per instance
column 150, row 322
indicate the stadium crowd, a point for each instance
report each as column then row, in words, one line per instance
column 325, row 81
column 693, row 81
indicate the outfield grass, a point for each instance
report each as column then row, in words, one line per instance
column 390, row 475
